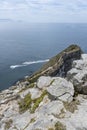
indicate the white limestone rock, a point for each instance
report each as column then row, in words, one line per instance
column 78, row 74
column 81, row 64
column 71, row 73
column 78, row 119
column 35, row 93
column 61, row 89
column 84, row 57
column 53, row 107
column 44, row 82
column 43, row 123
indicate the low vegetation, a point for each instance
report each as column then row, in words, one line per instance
column 32, row 120
column 25, row 103
column 52, row 82
column 72, row 106
column 8, row 124
column 50, row 128
column 59, row 126
column 37, row 101
column 31, row 104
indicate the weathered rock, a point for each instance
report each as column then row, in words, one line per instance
column 78, row 74
column 61, row 89
column 44, row 82
column 78, row 119
column 7, row 95
column 71, row 73
column 53, row 107
column 43, row 123
column 80, row 64
column 35, row 93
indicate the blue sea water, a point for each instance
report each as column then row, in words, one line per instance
column 25, row 47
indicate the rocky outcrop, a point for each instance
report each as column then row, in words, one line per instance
column 57, row 87
column 59, row 64
column 35, row 109
column 78, row 74
column 49, row 103
column 61, row 89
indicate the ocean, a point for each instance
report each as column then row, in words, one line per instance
column 25, row 47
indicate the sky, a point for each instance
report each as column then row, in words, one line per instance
column 58, row 11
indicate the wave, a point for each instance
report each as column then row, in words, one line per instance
column 28, row 63
column 16, row 66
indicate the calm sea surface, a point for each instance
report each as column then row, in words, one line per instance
column 25, row 47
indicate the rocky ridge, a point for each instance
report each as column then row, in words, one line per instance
column 56, row 99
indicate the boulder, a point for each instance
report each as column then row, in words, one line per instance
column 61, row 89
column 44, row 82
column 35, row 93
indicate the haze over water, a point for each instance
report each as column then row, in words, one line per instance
column 24, row 48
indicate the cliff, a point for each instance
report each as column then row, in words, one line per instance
column 54, row 98
column 59, row 64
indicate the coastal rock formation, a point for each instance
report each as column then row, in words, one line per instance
column 61, row 89
column 78, row 74
column 47, row 102
column 57, row 87
column 59, row 64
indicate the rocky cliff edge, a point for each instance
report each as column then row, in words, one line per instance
column 54, row 98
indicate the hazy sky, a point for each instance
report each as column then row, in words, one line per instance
column 43, row 10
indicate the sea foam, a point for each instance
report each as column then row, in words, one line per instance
column 28, row 63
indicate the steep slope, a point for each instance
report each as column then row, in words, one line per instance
column 59, row 64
